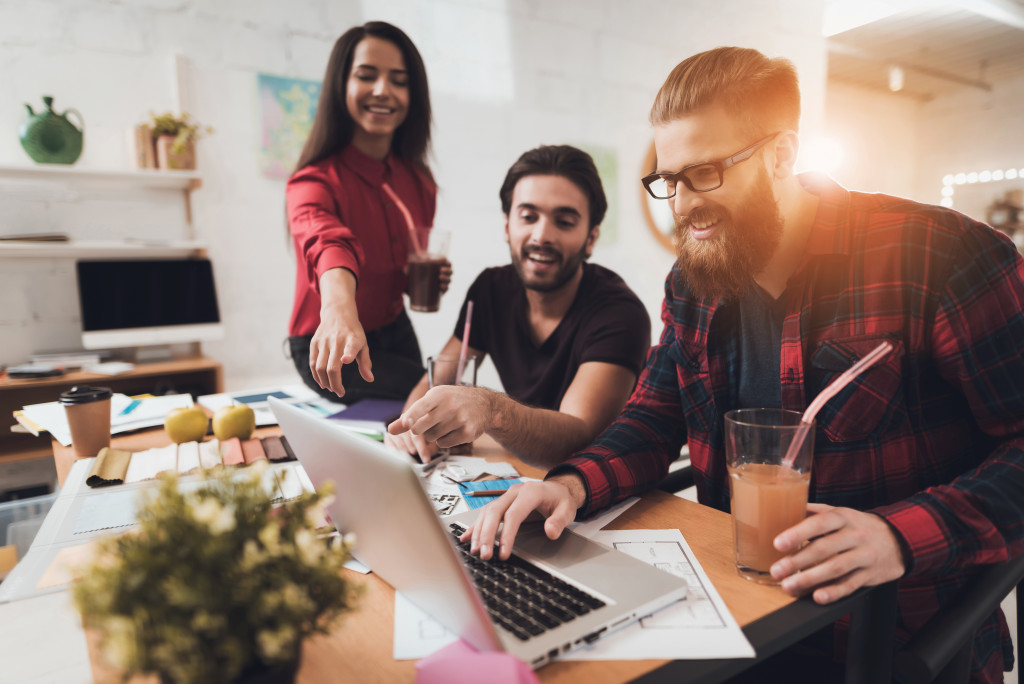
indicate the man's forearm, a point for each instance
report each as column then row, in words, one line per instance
column 540, row 437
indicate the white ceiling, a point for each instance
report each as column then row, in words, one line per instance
column 942, row 47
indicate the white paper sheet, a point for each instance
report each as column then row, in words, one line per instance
column 698, row 627
column 417, row 635
column 112, row 510
column 297, row 394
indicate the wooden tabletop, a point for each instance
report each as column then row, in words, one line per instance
column 360, row 647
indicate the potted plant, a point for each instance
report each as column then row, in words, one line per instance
column 216, row 584
column 175, row 138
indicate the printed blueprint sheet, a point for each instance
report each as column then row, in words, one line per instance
column 697, row 627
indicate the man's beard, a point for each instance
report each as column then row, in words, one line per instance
column 724, row 265
column 559, row 278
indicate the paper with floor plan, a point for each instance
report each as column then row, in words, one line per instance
column 417, row 635
column 698, row 627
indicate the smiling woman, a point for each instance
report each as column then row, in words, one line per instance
column 360, row 201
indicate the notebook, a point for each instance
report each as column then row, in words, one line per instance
column 400, row 537
column 370, row 416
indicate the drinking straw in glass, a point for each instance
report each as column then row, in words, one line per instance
column 834, row 387
column 463, row 353
column 406, row 215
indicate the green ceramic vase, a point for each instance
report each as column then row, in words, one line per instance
column 49, row 137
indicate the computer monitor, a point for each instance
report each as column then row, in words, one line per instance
column 138, row 303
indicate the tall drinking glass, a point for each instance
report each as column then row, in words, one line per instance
column 443, row 370
column 767, row 497
column 425, row 273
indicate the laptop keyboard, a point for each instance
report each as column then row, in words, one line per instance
column 520, row 596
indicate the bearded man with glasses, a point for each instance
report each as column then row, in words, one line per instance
column 782, row 282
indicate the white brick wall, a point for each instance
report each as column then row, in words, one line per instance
column 505, row 76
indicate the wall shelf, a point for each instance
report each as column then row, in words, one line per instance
column 100, row 249
column 119, row 180
column 171, row 180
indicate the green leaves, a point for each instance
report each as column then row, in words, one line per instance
column 214, row 577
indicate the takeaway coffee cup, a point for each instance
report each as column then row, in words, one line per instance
column 88, row 412
column 425, row 273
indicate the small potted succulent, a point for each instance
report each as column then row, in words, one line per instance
column 175, row 138
column 218, row 583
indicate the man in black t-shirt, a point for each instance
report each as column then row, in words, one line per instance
column 568, row 338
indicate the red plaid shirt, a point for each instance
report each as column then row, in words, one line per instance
column 931, row 438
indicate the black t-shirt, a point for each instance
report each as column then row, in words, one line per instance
column 761, row 319
column 606, row 322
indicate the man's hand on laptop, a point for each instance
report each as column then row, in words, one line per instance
column 556, row 499
column 445, row 416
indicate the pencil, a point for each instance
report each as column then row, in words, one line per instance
column 486, row 492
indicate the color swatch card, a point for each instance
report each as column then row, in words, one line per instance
column 498, row 487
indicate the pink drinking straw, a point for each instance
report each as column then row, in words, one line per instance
column 465, row 344
column 408, row 218
column 834, row 387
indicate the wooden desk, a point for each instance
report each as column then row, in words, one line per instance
column 360, row 648
column 193, row 375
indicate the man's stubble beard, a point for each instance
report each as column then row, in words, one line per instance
column 724, row 265
column 567, row 269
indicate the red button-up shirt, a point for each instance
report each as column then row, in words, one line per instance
column 931, row 438
column 340, row 216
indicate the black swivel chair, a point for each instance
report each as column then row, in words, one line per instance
column 941, row 651
column 677, row 480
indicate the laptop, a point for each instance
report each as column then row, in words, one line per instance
column 548, row 598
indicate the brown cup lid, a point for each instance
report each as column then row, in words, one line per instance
column 83, row 394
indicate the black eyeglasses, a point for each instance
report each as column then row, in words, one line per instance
column 703, row 177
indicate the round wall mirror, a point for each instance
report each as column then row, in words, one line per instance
column 657, row 212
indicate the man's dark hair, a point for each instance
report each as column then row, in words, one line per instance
column 571, row 163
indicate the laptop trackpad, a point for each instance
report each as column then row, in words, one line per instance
column 564, row 552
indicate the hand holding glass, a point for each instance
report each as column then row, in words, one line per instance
column 767, row 497
column 443, row 370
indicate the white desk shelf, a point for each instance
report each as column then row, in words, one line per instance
column 126, row 179
column 90, row 182
column 99, row 250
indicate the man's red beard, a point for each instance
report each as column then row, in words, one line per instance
column 724, row 265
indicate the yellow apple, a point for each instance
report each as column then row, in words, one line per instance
column 186, row 424
column 234, row 421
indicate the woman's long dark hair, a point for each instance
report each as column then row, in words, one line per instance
column 333, row 125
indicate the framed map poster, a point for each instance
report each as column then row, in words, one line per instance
column 287, row 108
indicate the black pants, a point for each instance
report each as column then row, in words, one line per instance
column 396, row 358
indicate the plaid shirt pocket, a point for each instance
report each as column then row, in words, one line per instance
column 871, row 404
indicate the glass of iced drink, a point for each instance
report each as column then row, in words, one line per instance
column 767, row 497
column 425, row 273
column 444, row 370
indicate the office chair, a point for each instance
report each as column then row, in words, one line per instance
column 677, row 480
column 680, row 477
column 941, row 651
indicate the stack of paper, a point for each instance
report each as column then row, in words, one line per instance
column 126, row 414
column 298, row 395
